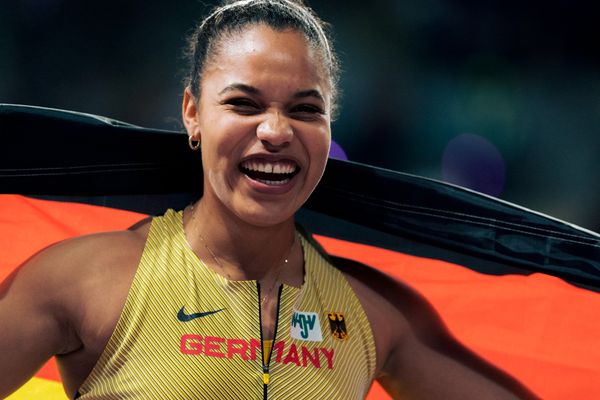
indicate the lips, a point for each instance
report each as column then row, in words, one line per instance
column 269, row 172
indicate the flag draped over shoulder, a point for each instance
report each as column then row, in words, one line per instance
column 502, row 277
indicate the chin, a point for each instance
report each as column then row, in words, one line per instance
column 264, row 216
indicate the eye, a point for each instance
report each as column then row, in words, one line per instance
column 243, row 105
column 306, row 111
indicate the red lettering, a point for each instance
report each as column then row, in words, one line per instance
column 254, row 346
column 292, row 356
column 237, row 346
column 212, row 346
column 279, row 347
column 191, row 344
column 313, row 357
column 329, row 356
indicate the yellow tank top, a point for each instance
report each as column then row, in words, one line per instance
column 187, row 332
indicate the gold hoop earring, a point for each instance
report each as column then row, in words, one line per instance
column 194, row 144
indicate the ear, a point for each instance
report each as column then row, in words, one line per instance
column 189, row 114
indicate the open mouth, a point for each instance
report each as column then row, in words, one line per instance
column 275, row 173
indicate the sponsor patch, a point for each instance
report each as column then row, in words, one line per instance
column 337, row 323
column 306, row 326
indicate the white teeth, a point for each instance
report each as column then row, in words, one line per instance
column 278, row 167
column 274, row 183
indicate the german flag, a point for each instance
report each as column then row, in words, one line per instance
column 517, row 287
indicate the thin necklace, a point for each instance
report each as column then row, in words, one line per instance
column 224, row 271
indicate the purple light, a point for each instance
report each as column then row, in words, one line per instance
column 475, row 163
column 336, row 151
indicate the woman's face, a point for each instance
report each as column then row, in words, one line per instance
column 263, row 118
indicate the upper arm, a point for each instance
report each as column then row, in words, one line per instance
column 62, row 300
column 421, row 359
column 31, row 326
column 420, row 369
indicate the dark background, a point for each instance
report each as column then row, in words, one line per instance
column 499, row 96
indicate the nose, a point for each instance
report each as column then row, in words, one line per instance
column 275, row 130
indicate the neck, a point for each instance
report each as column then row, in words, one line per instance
column 242, row 251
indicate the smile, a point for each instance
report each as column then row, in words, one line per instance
column 273, row 173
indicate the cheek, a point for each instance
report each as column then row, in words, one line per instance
column 319, row 146
column 229, row 135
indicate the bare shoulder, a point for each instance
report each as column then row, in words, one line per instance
column 392, row 307
column 397, row 301
column 76, row 273
column 89, row 257
column 71, row 294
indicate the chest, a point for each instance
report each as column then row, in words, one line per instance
column 187, row 332
column 213, row 333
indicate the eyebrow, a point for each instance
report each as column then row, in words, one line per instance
column 241, row 87
column 255, row 91
column 309, row 93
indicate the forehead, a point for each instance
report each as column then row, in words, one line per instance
column 258, row 54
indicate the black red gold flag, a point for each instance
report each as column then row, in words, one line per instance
column 517, row 287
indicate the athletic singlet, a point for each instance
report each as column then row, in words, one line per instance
column 187, row 332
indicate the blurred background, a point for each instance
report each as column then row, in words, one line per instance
column 502, row 97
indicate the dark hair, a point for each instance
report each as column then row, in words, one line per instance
column 233, row 16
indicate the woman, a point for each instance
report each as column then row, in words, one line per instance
column 225, row 299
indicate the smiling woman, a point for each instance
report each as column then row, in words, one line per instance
column 226, row 299
column 266, row 112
